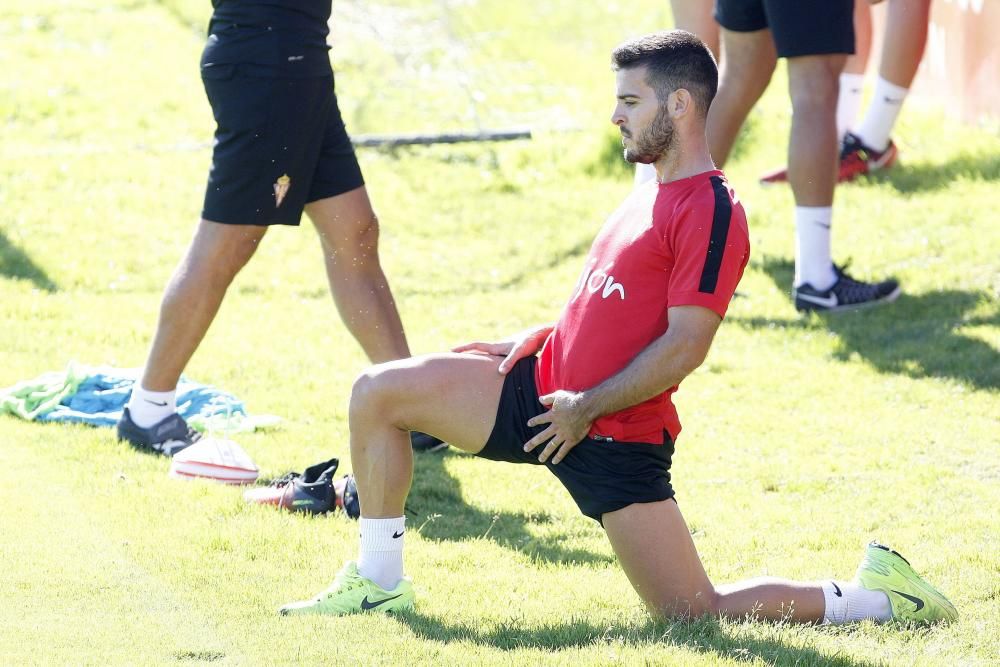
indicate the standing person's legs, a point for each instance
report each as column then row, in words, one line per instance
column 193, row 296
column 852, row 79
column 746, row 71
column 696, row 16
column 348, row 231
column 813, row 142
column 902, row 50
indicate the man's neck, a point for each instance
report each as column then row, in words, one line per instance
column 685, row 159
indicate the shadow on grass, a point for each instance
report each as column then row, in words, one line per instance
column 915, row 336
column 703, row 635
column 436, row 507
column 14, row 263
column 928, row 177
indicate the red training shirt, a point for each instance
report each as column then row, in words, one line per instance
column 683, row 243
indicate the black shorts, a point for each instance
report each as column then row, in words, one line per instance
column 280, row 143
column 799, row 27
column 600, row 476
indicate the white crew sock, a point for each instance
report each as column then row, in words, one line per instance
column 151, row 407
column 848, row 602
column 381, row 556
column 880, row 118
column 644, row 173
column 848, row 101
column 813, row 263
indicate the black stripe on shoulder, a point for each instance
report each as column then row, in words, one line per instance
column 720, row 232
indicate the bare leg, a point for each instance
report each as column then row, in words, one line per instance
column 813, row 147
column 858, row 62
column 658, row 555
column 746, row 71
column 905, row 39
column 696, row 17
column 451, row 396
column 193, row 296
column 348, row 231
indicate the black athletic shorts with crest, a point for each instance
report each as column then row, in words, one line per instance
column 798, row 27
column 280, row 143
column 601, row 476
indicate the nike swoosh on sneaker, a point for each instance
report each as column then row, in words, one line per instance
column 366, row 605
column 825, row 301
column 303, row 501
column 915, row 600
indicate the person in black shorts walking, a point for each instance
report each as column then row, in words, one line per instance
column 280, row 148
column 815, row 36
column 594, row 406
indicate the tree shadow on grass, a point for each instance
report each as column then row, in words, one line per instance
column 704, row 635
column 915, row 336
column 14, row 263
column 436, row 507
column 929, row 177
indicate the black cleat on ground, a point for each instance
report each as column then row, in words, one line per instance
column 166, row 437
column 349, row 498
column 421, row 442
column 845, row 294
column 310, row 492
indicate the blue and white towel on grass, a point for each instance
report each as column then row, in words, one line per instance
column 96, row 395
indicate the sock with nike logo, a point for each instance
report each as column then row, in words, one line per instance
column 887, row 102
column 381, row 556
column 847, row 602
column 813, row 263
column 151, row 407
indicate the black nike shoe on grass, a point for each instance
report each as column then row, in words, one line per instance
column 421, row 442
column 845, row 294
column 310, row 492
column 166, row 437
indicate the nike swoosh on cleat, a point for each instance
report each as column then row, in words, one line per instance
column 156, row 403
column 915, row 600
column 303, row 501
column 366, row 605
column 398, row 535
column 825, row 301
column 836, row 589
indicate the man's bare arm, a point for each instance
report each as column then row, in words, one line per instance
column 664, row 363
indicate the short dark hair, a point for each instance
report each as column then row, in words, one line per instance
column 674, row 59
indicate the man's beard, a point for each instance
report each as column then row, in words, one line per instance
column 652, row 142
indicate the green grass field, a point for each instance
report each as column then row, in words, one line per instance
column 805, row 437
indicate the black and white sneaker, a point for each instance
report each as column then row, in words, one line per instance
column 845, row 294
column 421, row 442
column 166, row 437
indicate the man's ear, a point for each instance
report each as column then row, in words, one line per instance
column 680, row 103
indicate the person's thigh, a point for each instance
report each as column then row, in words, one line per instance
column 654, row 547
column 345, row 222
column 740, row 15
column 337, row 170
column 453, row 397
column 811, row 27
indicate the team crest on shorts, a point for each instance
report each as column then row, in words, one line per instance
column 281, row 189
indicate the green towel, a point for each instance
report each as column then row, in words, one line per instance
column 35, row 397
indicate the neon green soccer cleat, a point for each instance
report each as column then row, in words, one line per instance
column 912, row 599
column 351, row 593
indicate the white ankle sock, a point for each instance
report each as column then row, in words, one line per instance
column 813, row 263
column 848, row 601
column 149, row 407
column 849, row 101
column 880, row 118
column 381, row 556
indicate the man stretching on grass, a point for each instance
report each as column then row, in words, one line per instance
column 596, row 400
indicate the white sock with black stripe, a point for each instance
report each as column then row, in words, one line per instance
column 381, row 555
column 848, row 601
